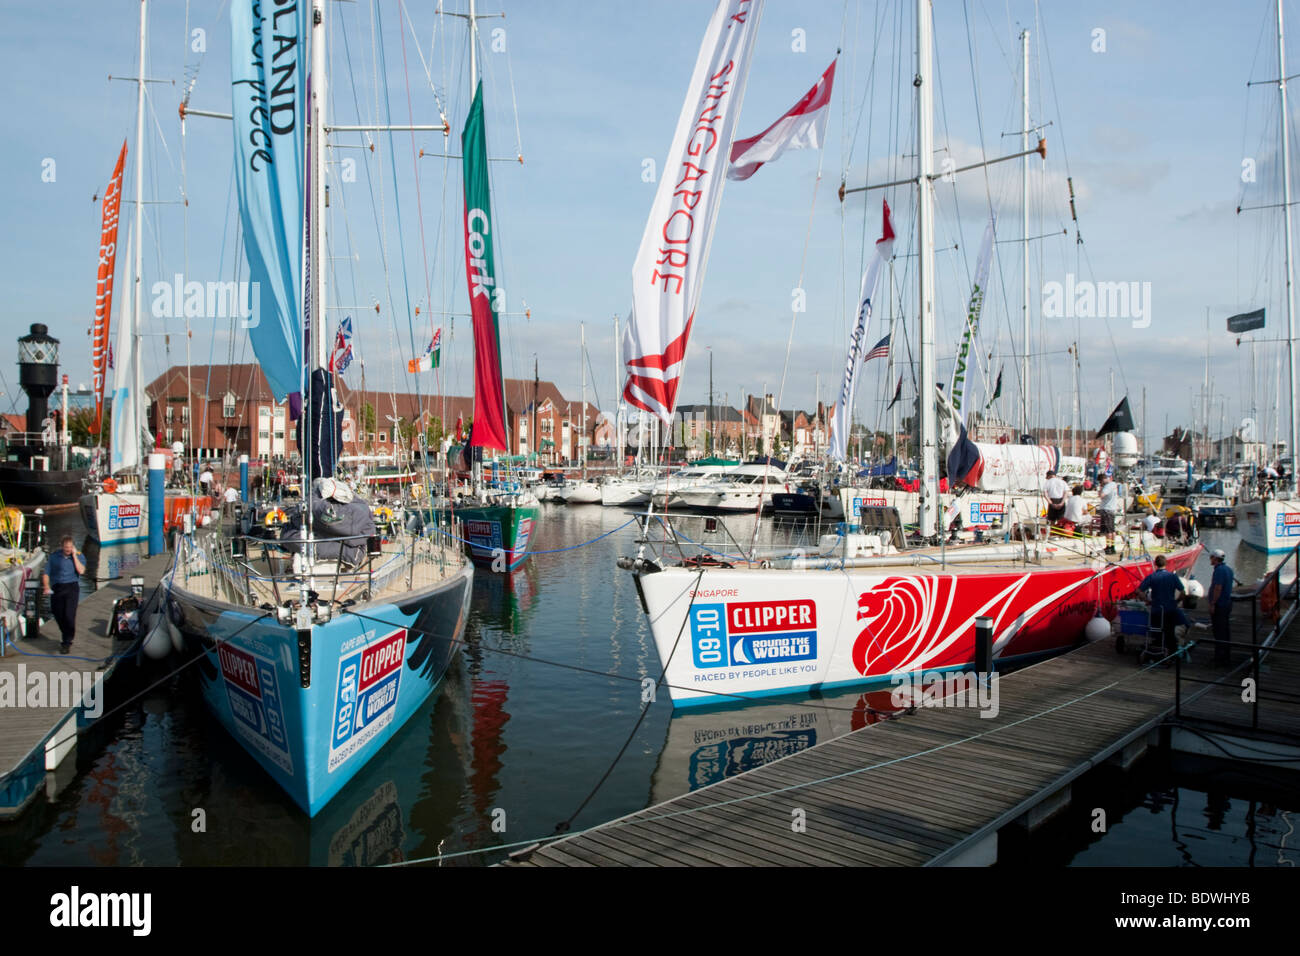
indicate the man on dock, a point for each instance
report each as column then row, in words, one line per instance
column 1164, row 587
column 1221, row 605
column 61, row 582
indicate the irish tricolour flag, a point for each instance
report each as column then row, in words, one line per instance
column 431, row 358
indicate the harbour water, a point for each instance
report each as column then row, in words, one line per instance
column 535, row 711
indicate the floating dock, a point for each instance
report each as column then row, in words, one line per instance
column 36, row 741
column 935, row 786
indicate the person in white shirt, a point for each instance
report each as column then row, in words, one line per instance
column 1149, row 523
column 1055, row 491
column 1109, row 508
column 1074, row 510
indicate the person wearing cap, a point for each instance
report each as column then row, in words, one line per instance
column 1221, row 605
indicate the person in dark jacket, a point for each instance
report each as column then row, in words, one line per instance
column 1164, row 587
column 61, row 582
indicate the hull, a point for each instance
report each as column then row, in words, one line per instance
column 1269, row 526
column 497, row 533
column 753, row 633
column 312, row 711
column 30, row 488
column 615, row 494
column 121, row 517
column 583, row 493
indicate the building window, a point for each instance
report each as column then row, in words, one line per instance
column 228, row 405
column 185, row 413
column 263, row 412
column 279, row 436
column 383, row 436
column 169, row 413
column 169, row 436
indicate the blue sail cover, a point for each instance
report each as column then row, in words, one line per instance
column 887, row 470
column 268, row 102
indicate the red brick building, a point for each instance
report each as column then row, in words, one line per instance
column 229, row 409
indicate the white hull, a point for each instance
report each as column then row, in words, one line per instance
column 583, row 493
column 614, row 494
column 1272, row 525
column 116, row 517
column 729, row 634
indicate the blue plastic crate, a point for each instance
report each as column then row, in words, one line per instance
column 1133, row 621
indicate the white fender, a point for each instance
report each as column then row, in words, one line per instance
column 157, row 642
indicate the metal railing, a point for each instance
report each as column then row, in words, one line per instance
column 235, row 573
column 1268, row 622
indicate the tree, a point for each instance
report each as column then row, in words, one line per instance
column 367, row 423
column 80, row 421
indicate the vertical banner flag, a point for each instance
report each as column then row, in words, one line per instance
column 99, row 347
column 802, row 127
column 480, row 272
column 268, row 99
column 958, row 390
column 669, row 269
column 124, row 438
column 844, row 406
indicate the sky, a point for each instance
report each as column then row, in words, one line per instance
column 1145, row 109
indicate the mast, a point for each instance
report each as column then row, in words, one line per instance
column 1024, row 228
column 582, row 435
column 1286, row 218
column 137, row 384
column 316, row 240
column 928, row 515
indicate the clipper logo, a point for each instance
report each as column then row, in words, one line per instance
column 365, row 701
column 254, row 696
column 484, row 537
column 1288, row 524
column 984, row 513
column 751, row 632
column 860, row 503
column 122, row 517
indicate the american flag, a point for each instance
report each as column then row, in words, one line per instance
column 879, row 350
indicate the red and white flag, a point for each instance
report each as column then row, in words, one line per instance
column 803, row 127
column 669, row 269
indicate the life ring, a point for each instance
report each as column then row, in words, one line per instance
column 280, row 477
column 383, row 514
column 275, row 516
column 110, row 485
column 416, row 490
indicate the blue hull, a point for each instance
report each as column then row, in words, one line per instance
column 312, row 709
